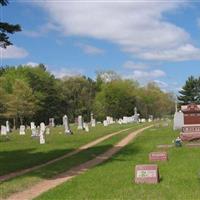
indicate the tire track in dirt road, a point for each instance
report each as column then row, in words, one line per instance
column 45, row 185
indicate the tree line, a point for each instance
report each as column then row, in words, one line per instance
column 34, row 94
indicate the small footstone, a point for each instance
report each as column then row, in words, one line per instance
column 146, row 174
column 165, row 146
column 193, row 145
column 158, row 156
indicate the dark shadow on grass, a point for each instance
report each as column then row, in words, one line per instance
column 50, row 171
column 11, row 161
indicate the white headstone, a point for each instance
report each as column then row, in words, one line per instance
column 178, row 120
column 7, row 126
column 3, row 130
column 51, row 122
column 143, row 120
column 105, row 123
column 42, row 132
column 80, row 122
column 22, row 130
column 33, row 130
column 66, row 124
column 120, row 121
column 86, row 127
column 32, row 125
column 93, row 123
column 136, row 115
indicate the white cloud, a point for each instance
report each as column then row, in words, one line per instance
column 137, row 27
column 13, row 52
column 41, row 31
column 89, row 49
column 133, row 65
column 32, row 64
column 63, row 72
column 182, row 53
column 146, row 76
column 161, row 84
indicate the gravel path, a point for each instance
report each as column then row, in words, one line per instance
column 86, row 146
column 45, row 185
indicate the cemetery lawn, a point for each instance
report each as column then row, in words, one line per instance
column 21, row 151
column 114, row 179
column 29, row 179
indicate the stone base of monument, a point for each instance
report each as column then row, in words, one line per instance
column 190, row 136
column 148, row 174
column 158, row 156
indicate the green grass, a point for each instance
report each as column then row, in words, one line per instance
column 114, row 179
column 22, row 182
column 20, row 152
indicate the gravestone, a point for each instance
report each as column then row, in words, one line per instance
column 136, row 115
column 158, row 156
column 165, row 124
column 146, row 174
column 191, row 127
column 3, row 130
column 150, row 119
column 66, row 125
column 42, row 133
column 93, row 121
column 193, row 145
column 80, row 122
column 86, row 127
column 7, row 126
column 120, row 121
column 178, row 120
column 105, row 123
column 22, row 130
column 164, row 146
column 51, row 122
column 33, row 130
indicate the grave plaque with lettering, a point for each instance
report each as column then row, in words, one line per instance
column 158, row 156
column 146, row 174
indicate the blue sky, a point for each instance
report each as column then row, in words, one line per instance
column 141, row 40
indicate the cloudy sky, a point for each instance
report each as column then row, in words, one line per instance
column 143, row 40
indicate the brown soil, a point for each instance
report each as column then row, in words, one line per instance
column 45, row 185
column 86, row 146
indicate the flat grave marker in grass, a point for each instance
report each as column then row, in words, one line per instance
column 146, row 174
column 193, row 145
column 158, row 156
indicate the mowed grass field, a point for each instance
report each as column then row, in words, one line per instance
column 114, row 179
column 29, row 179
column 22, row 151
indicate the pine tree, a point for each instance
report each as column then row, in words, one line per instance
column 190, row 92
column 6, row 28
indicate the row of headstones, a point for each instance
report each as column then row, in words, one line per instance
column 125, row 120
column 85, row 126
column 149, row 173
